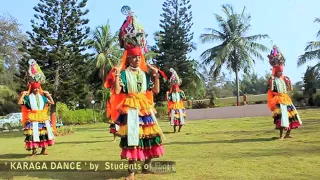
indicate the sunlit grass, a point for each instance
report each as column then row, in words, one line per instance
column 244, row 148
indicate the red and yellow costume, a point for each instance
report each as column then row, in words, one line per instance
column 176, row 110
column 284, row 113
column 38, row 128
column 133, row 109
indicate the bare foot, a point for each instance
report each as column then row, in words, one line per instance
column 114, row 140
column 288, row 136
column 130, row 177
column 34, row 153
column 281, row 138
column 43, row 152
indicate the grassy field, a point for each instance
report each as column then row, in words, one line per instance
column 244, row 148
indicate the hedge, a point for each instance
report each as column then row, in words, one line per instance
column 81, row 116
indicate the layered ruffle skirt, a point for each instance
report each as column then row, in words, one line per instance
column 43, row 141
column 284, row 113
column 150, row 142
column 174, row 112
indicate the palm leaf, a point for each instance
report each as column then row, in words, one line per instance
column 308, row 56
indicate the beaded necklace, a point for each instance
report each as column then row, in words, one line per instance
column 138, row 77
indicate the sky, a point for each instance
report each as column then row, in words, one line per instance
column 289, row 23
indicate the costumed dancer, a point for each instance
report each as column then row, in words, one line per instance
column 175, row 97
column 132, row 106
column 285, row 114
column 38, row 130
column 109, row 83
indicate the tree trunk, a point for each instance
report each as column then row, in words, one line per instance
column 53, row 107
column 57, row 70
column 237, row 86
column 235, row 54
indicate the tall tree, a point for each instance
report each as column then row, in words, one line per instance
column 313, row 50
column 174, row 42
column 11, row 38
column 311, row 79
column 57, row 43
column 236, row 48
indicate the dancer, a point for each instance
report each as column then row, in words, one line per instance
column 38, row 129
column 113, row 127
column 285, row 114
column 132, row 105
column 175, row 97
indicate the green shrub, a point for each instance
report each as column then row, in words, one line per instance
column 162, row 112
column 83, row 116
column 297, row 96
column 62, row 110
column 260, row 102
column 199, row 104
column 317, row 100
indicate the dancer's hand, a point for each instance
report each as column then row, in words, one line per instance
column 117, row 69
column 272, row 77
column 154, row 69
column 25, row 93
column 46, row 93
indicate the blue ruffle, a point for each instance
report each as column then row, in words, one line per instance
column 40, row 125
column 122, row 119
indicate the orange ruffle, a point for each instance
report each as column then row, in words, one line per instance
column 33, row 115
column 54, row 122
column 176, row 105
column 114, row 100
column 137, row 101
column 278, row 98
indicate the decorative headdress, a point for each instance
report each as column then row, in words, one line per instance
column 174, row 78
column 37, row 76
column 276, row 60
column 132, row 38
column 35, row 72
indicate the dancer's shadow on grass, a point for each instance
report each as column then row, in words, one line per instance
column 81, row 142
column 11, row 134
column 168, row 132
column 226, row 141
column 14, row 156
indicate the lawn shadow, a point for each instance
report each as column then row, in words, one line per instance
column 65, row 175
column 13, row 156
column 226, row 141
column 79, row 142
column 168, row 132
column 81, row 129
column 12, row 134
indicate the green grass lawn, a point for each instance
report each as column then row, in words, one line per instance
column 244, row 148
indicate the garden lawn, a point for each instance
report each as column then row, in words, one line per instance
column 244, row 148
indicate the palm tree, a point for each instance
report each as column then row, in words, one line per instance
column 313, row 50
column 108, row 54
column 106, row 46
column 236, row 48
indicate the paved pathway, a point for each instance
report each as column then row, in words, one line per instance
column 229, row 112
